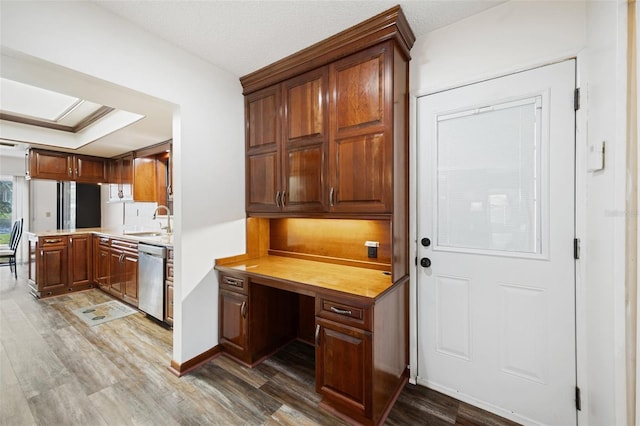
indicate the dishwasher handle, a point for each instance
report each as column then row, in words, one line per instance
column 156, row 251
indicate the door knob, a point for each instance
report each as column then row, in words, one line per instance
column 425, row 262
column 425, row 242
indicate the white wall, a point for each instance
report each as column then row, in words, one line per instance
column 208, row 138
column 519, row 35
column 43, row 203
column 11, row 165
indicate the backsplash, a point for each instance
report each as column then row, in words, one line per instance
column 131, row 216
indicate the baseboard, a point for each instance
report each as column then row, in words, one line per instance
column 181, row 369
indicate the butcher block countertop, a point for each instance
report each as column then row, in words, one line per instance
column 159, row 240
column 354, row 281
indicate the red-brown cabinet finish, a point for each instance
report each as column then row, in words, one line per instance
column 101, row 262
column 234, row 323
column 344, row 366
column 361, row 147
column 52, row 264
column 80, row 260
column 262, row 111
column 56, row 165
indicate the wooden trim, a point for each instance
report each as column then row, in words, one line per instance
column 190, row 365
column 149, row 151
column 388, row 25
column 98, row 114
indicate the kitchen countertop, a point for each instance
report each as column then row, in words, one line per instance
column 159, row 240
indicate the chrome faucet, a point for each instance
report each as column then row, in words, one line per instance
column 155, row 214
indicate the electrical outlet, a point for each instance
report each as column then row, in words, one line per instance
column 372, row 249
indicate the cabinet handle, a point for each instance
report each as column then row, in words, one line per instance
column 278, row 199
column 70, row 172
column 243, row 310
column 318, row 334
column 121, row 258
column 103, row 255
column 283, row 198
column 340, row 311
column 52, row 241
column 331, row 193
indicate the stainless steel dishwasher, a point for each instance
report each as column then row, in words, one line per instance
column 151, row 267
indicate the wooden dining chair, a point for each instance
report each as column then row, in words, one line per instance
column 9, row 252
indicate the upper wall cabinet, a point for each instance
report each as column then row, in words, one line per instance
column 121, row 178
column 286, row 145
column 66, row 167
column 326, row 128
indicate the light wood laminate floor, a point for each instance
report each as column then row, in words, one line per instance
column 55, row 370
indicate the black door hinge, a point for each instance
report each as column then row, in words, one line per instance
column 576, row 99
column 578, row 399
column 576, row 248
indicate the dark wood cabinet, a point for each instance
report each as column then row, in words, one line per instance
column 101, row 256
column 361, row 149
column 60, row 264
column 80, row 260
column 332, row 140
column 168, row 308
column 52, row 264
column 234, row 324
column 327, row 139
column 121, row 178
column 90, row 169
column 286, row 143
column 263, row 146
column 344, row 366
column 123, row 270
column 55, row 165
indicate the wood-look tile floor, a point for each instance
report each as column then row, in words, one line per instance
column 56, row 370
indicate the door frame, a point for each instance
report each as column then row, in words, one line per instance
column 580, row 219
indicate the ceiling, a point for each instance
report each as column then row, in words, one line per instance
column 243, row 36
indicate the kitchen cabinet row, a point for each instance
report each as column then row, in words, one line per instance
column 144, row 176
column 64, row 263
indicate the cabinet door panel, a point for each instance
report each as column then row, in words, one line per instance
column 343, row 365
column 362, row 174
column 89, row 169
column 262, row 118
column 130, row 278
column 359, row 90
column 115, row 270
column 262, row 172
column 52, row 270
column 305, row 103
column 102, row 267
column 234, row 322
column 51, row 165
column 304, row 179
column 304, row 165
column 80, row 260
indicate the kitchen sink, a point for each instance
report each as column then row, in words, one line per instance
column 146, row 234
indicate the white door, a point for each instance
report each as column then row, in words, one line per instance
column 496, row 306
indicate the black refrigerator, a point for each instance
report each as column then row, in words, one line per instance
column 78, row 205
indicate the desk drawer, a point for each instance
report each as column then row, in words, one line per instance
column 232, row 283
column 344, row 311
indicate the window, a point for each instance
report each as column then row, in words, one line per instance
column 6, row 208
